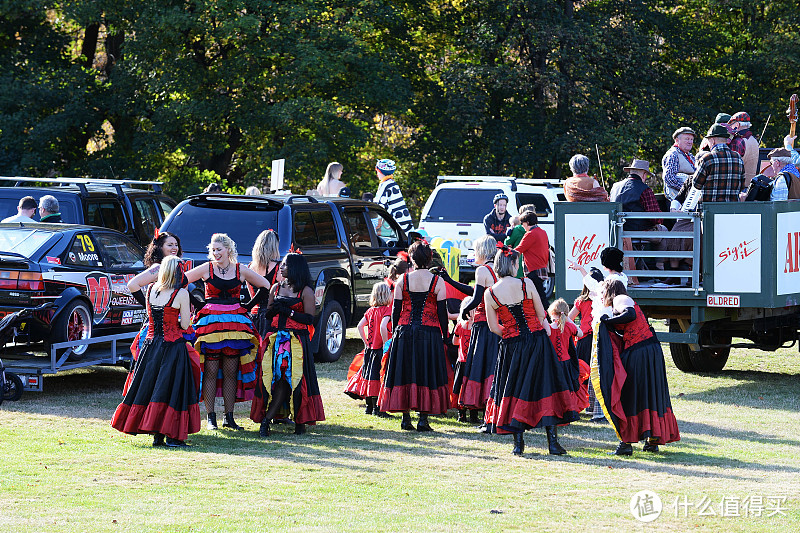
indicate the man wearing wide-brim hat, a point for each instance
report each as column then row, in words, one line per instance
column 678, row 163
column 719, row 176
column 637, row 197
column 786, row 184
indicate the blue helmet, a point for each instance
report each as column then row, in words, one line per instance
column 500, row 196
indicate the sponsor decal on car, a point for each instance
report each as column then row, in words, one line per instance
column 98, row 287
column 53, row 260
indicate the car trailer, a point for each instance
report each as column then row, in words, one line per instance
column 744, row 282
column 32, row 368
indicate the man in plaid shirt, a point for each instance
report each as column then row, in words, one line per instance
column 719, row 176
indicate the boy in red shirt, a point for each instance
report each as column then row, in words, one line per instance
column 535, row 250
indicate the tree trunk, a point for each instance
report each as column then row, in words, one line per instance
column 89, row 47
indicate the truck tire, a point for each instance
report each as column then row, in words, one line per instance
column 711, row 359
column 331, row 337
column 12, row 388
column 73, row 323
column 681, row 355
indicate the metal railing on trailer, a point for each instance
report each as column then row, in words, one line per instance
column 33, row 368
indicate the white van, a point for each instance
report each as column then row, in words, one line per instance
column 456, row 207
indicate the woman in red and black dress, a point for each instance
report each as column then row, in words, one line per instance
column 630, row 379
column 287, row 373
column 227, row 340
column 416, row 377
column 531, row 387
column 473, row 382
column 161, row 397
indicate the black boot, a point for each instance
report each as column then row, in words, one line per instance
column 263, row 430
column 462, row 415
column 212, row 421
column 230, row 423
column 406, row 424
column 651, row 445
column 299, row 429
column 175, row 443
column 473, row 416
column 624, row 448
column 552, row 441
column 380, row 414
column 422, row 424
column 370, row 407
column 519, row 443
column 158, row 440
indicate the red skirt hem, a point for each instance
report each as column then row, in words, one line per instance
column 157, row 418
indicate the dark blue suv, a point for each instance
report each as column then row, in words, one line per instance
column 338, row 238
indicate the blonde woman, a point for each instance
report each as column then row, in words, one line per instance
column 331, row 182
column 161, row 397
column 226, row 337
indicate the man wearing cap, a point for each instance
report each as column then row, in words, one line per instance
column 721, row 118
column 745, row 144
column 678, row 163
column 389, row 195
column 25, row 210
column 719, row 176
column 498, row 220
column 786, row 184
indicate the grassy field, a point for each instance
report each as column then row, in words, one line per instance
column 735, row 469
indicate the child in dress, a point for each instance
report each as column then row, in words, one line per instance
column 461, row 339
column 374, row 331
column 562, row 332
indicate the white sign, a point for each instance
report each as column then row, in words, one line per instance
column 787, row 250
column 718, row 300
column 737, row 253
column 276, row 180
column 585, row 236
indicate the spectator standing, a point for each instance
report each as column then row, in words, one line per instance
column 678, row 163
column 535, row 250
column 786, row 184
column 49, row 210
column 581, row 187
column 745, row 144
column 331, row 182
column 498, row 220
column 389, row 195
column 25, row 210
column 252, row 191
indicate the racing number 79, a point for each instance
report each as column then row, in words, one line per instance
column 86, row 243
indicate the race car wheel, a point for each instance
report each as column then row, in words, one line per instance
column 74, row 323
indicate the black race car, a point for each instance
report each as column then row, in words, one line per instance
column 83, row 270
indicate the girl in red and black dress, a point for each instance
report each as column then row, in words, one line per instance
column 461, row 337
column 416, row 375
column 562, row 331
column 287, row 372
column 474, row 383
column 531, row 387
column 161, row 397
column 630, row 378
column 226, row 337
column 374, row 330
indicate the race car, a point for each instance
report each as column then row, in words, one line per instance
column 83, row 270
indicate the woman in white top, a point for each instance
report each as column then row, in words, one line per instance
column 331, row 182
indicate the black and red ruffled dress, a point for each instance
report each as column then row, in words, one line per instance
column 161, row 396
column 630, row 381
column 474, row 378
column 224, row 329
column 531, row 387
column 366, row 383
column 584, row 345
column 288, row 356
column 416, row 377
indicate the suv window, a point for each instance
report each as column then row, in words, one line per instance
column 83, row 252
column 387, row 234
column 313, row 228
column 543, row 208
column 461, row 205
column 120, row 252
column 106, row 214
column 195, row 224
column 9, row 200
column 326, row 228
column 146, row 218
column 358, row 228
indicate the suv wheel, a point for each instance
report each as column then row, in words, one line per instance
column 331, row 340
column 74, row 323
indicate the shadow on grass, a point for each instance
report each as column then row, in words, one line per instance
column 751, row 389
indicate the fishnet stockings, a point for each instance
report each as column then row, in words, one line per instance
column 230, row 369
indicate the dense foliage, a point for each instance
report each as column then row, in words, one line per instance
column 192, row 92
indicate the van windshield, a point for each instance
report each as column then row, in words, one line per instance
column 195, row 225
column 461, row 205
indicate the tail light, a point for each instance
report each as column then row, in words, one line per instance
column 23, row 281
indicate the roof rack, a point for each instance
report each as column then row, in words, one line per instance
column 501, row 179
column 83, row 182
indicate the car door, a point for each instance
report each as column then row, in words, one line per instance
column 369, row 263
column 123, row 259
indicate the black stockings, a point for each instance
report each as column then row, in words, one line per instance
column 280, row 393
column 230, row 370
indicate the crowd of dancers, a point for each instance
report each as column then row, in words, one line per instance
column 522, row 365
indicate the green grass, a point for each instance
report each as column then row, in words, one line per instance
column 63, row 468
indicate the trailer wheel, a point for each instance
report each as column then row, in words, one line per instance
column 12, row 388
column 73, row 323
column 681, row 355
column 331, row 341
column 711, row 359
